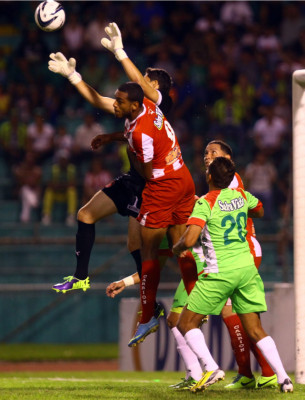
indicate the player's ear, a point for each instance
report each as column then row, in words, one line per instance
column 135, row 105
column 228, row 156
column 155, row 84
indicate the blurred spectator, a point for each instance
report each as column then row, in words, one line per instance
column 207, row 20
column 51, row 103
column 21, row 102
column 244, row 95
column 95, row 179
column 112, row 80
column 92, row 73
column 31, row 55
column 40, row 136
column 269, row 132
column 231, row 49
column 219, row 75
column 260, row 175
column 182, row 92
column 292, row 23
column 62, row 141
column 236, row 12
column 28, row 175
column 227, row 116
column 61, row 189
column 5, row 102
column 146, row 10
column 247, row 66
column 73, row 33
column 269, row 44
column 83, row 137
column 13, row 138
column 265, row 91
column 96, row 30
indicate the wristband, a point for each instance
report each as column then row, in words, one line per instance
column 128, row 281
column 120, row 54
column 74, row 77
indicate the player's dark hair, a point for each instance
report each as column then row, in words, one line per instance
column 224, row 147
column 162, row 76
column 222, row 171
column 133, row 90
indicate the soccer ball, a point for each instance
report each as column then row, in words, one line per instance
column 50, row 16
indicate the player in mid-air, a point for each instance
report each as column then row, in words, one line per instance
column 168, row 195
column 239, row 340
column 219, row 220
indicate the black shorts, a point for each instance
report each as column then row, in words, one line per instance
column 126, row 193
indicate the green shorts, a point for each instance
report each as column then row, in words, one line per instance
column 244, row 286
column 181, row 296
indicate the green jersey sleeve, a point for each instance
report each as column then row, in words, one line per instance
column 252, row 200
column 201, row 212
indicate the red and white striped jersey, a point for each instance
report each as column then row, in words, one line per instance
column 151, row 138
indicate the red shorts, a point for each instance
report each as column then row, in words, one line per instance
column 168, row 201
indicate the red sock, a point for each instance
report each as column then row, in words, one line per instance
column 240, row 344
column 149, row 285
column 266, row 369
column 188, row 271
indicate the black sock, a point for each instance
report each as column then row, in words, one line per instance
column 136, row 254
column 85, row 237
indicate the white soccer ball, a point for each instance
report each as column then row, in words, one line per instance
column 50, row 16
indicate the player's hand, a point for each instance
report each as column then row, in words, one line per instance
column 98, row 141
column 114, row 43
column 115, row 288
column 60, row 65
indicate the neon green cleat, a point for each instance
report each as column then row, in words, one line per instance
column 266, row 381
column 72, row 283
column 208, row 378
column 241, row 382
column 185, row 384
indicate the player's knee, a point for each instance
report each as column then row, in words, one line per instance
column 85, row 216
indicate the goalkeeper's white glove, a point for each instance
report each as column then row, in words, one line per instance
column 60, row 65
column 115, row 43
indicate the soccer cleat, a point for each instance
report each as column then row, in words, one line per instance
column 72, row 283
column 241, row 382
column 266, row 381
column 144, row 330
column 286, row 386
column 208, row 378
column 185, row 384
column 158, row 311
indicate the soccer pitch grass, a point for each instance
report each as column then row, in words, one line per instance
column 120, row 385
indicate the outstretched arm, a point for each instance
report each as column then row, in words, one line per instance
column 115, row 45
column 60, row 65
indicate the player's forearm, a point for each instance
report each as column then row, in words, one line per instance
column 94, row 98
column 115, row 137
column 136, row 76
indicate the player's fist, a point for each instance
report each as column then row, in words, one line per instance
column 115, row 288
column 60, row 65
column 114, row 43
column 98, row 141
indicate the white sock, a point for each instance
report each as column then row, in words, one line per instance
column 189, row 358
column 269, row 350
column 195, row 340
